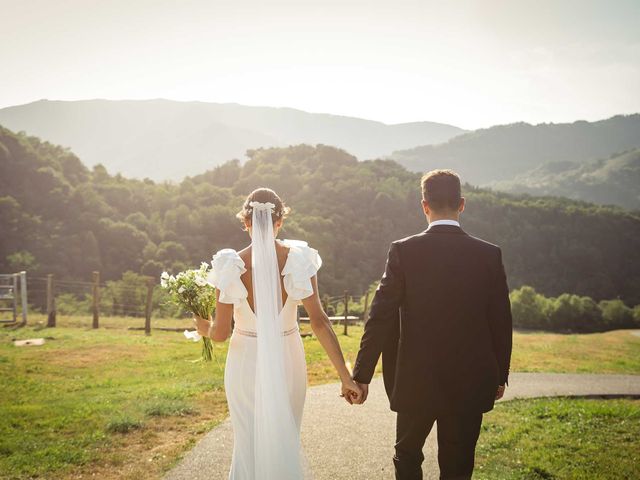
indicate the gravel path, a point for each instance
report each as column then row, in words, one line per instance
column 356, row 442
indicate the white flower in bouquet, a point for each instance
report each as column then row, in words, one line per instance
column 190, row 290
column 192, row 335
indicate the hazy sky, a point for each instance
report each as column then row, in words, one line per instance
column 468, row 63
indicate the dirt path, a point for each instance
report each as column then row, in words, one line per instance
column 356, row 442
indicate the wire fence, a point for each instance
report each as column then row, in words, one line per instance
column 141, row 298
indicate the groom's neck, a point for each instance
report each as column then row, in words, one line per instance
column 443, row 216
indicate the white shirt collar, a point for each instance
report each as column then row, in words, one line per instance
column 444, row 222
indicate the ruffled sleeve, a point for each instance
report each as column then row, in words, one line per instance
column 227, row 267
column 302, row 264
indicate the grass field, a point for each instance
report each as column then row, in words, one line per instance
column 115, row 403
column 560, row 439
column 610, row 352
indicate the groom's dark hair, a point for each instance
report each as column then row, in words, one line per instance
column 441, row 189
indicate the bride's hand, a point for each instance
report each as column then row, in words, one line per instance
column 351, row 392
column 202, row 325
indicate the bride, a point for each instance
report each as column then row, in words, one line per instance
column 265, row 378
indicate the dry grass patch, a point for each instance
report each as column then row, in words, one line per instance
column 97, row 356
column 609, row 352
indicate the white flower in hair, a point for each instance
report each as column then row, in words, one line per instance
column 258, row 206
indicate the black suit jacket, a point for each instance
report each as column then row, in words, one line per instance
column 441, row 318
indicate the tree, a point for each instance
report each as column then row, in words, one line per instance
column 529, row 308
column 349, row 210
column 616, row 314
column 22, row 260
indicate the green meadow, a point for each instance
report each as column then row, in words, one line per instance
column 560, row 439
column 116, row 403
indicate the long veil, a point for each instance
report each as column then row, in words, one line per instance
column 277, row 438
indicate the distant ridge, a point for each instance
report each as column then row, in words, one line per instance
column 166, row 139
column 613, row 181
column 503, row 152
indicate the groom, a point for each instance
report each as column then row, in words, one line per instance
column 441, row 319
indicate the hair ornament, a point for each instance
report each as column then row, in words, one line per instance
column 259, row 206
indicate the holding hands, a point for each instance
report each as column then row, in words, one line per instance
column 353, row 392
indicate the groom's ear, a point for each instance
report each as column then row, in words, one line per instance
column 425, row 207
column 462, row 204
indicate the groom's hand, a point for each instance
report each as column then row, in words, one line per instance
column 364, row 387
column 500, row 392
column 351, row 391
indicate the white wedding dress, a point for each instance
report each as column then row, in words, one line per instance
column 266, row 417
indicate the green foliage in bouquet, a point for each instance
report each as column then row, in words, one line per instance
column 189, row 289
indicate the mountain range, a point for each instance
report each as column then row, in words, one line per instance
column 487, row 156
column 168, row 140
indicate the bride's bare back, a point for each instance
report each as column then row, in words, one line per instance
column 247, row 278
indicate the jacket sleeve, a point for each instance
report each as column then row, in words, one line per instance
column 382, row 318
column 500, row 320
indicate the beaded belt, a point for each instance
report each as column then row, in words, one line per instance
column 250, row 333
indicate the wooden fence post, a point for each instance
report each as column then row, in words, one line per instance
column 147, row 310
column 23, row 292
column 96, row 299
column 51, row 302
column 366, row 307
column 346, row 312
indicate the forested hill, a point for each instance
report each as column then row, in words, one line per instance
column 165, row 139
column 58, row 216
column 615, row 180
column 502, row 152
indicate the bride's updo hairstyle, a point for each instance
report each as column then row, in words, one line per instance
column 263, row 195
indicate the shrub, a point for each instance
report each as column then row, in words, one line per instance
column 575, row 313
column 616, row 314
column 70, row 304
column 528, row 308
column 570, row 312
column 126, row 296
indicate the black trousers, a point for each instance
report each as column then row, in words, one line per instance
column 457, row 438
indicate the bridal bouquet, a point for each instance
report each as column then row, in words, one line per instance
column 190, row 291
